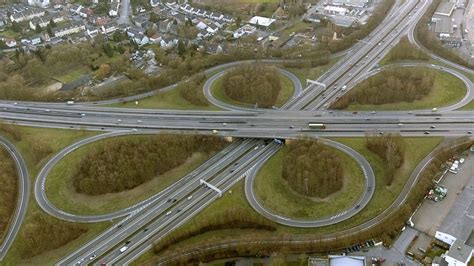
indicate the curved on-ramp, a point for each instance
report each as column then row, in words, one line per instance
column 207, row 90
column 369, row 188
column 23, row 197
column 48, row 207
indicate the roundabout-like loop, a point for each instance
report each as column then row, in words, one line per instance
column 48, row 207
column 369, row 178
column 207, row 90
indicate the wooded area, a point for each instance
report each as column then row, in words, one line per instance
column 253, row 84
column 41, row 233
column 123, row 164
column 191, row 91
column 391, row 148
column 8, row 190
column 312, row 169
column 390, row 86
column 404, row 50
column 233, row 218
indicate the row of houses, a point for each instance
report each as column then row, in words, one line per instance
column 44, row 21
column 26, row 15
column 188, row 9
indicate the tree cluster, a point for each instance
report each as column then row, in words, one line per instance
column 431, row 42
column 312, row 169
column 191, row 91
column 404, row 50
column 253, row 84
column 232, row 218
column 42, row 232
column 8, row 190
column 391, row 148
column 122, row 164
column 20, row 75
column 390, row 86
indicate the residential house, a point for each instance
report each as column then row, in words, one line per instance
column 244, row 30
column 10, row 42
column 141, row 39
column 155, row 38
column 92, row 31
column 110, row 27
column 168, row 42
column 70, row 28
column 134, row 30
column 27, row 15
column 140, row 21
column 44, row 21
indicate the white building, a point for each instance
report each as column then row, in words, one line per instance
column 73, row 27
column 261, row 21
column 27, row 15
column 244, row 30
column 335, row 10
column 459, row 254
column 40, row 3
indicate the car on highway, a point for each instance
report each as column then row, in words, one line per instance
column 168, row 213
column 215, row 131
column 427, row 133
column 119, row 121
column 469, row 132
column 190, row 197
column 139, row 121
column 123, row 249
column 432, row 126
column 93, row 257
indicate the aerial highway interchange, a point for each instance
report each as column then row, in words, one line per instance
column 254, row 128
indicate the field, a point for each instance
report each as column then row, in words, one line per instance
column 447, row 90
column 286, row 92
column 56, row 139
column 383, row 196
column 62, row 194
column 311, row 73
column 468, row 107
column 275, row 194
column 165, row 100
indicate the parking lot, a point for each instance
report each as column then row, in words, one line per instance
column 431, row 215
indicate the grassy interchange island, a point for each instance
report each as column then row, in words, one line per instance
column 253, row 85
column 404, row 89
column 97, row 178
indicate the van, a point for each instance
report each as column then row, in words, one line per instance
column 344, row 87
column 70, row 102
column 123, row 249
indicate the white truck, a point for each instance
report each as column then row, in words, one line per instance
column 70, row 102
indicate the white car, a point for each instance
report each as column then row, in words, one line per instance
column 168, row 213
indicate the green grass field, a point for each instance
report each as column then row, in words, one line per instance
column 72, row 75
column 57, row 140
column 383, row 195
column 287, row 90
column 62, row 194
column 166, row 100
column 447, row 90
column 468, row 107
column 311, row 73
column 275, row 194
